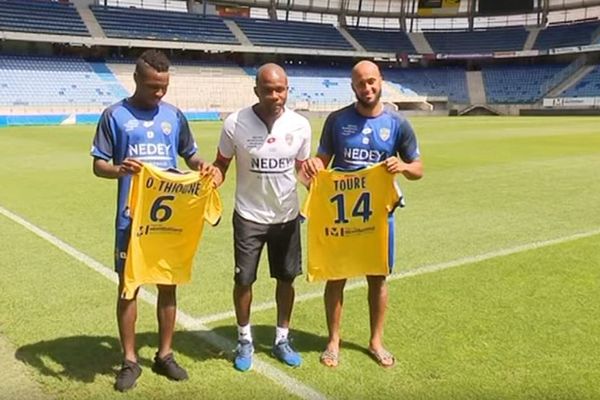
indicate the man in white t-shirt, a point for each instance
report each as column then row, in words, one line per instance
column 269, row 143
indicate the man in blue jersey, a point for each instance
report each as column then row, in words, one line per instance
column 357, row 136
column 142, row 128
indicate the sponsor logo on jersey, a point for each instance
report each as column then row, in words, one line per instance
column 148, row 124
column 150, row 134
column 365, row 140
column 362, row 155
column 166, row 127
column 349, row 129
column 334, row 231
column 367, row 131
column 148, row 149
column 131, row 125
column 271, row 164
column 384, row 133
column 270, row 140
column 289, row 139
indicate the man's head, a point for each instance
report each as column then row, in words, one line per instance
column 271, row 88
column 151, row 78
column 366, row 83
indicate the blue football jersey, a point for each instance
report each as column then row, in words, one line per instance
column 154, row 136
column 356, row 141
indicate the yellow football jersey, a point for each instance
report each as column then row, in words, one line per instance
column 347, row 214
column 168, row 210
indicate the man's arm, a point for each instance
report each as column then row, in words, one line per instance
column 412, row 170
column 221, row 165
column 105, row 169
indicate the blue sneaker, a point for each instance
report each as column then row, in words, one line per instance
column 284, row 353
column 243, row 355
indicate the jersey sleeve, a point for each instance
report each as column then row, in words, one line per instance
column 407, row 146
column 187, row 145
column 104, row 139
column 226, row 145
column 326, row 142
column 304, row 151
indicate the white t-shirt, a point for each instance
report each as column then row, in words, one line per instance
column 265, row 163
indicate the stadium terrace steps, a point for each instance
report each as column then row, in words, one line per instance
column 420, row 43
column 476, row 87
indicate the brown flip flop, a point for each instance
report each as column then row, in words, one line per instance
column 330, row 358
column 383, row 357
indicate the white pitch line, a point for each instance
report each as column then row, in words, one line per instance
column 425, row 269
column 190, row 323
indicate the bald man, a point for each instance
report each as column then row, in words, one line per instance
column 354, row 137
column 269, row 143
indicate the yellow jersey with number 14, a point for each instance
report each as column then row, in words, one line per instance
column 347, row 214
column 168, row 211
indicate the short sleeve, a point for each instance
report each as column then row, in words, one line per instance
column 226, row 146
column 304, row 151
column 407, row 146
column 104, row 139
column 187, row 145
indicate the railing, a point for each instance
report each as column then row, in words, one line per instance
column 563, row 74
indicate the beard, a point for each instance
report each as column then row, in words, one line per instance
column 369, row 104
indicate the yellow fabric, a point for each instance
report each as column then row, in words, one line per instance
column 353, row 241
column 168, row 211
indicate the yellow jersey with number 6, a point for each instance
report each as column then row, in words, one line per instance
column 348, row 233
column 168, row 211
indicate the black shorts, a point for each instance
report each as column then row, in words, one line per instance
column 283, row 247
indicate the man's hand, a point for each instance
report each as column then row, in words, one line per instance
column 214, row 172
column 311, row 167
column 129, row 166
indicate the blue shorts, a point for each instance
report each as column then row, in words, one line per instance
column 122, row 237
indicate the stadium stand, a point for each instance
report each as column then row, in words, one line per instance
column 35, row 16
column 447, row 82
column 383, row 40
column 588, row 86
column 201, row 87
column 133, row 23
column 576, row 34
column 477, row 42
column 308, row 35
column 516, row 83
column 37, row 81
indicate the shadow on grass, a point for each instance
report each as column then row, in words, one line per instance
column 82, row 358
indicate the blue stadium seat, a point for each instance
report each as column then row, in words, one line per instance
column 56, row 81
column 516, row 83
column 35, row 16
column 588, row 86
column 390, row 41
column 567, row 35
column 450, row 82
column 135, row 23
column 476, row 42
column 262, row 32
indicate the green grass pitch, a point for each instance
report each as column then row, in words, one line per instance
column 510, row 320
